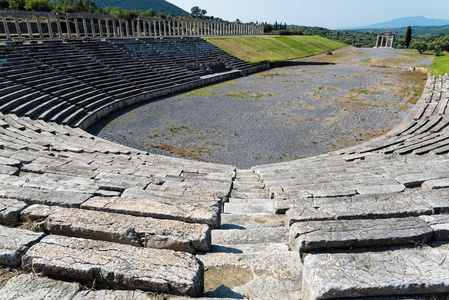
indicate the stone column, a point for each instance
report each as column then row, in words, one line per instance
column 190, row 27
column 150, row 28
column 133, row 28
column 86, row 33
column 120, row 27
column 169, row 27
column 92, row 26
column 58, row 24
column 5, row 24
column 16, row 21
column 165, row 27
column 50, row 30
column 144, row 27
column 67, row 23
column 114, row 29
column 127, row 27
column 39, row 27
column 77, row 28
column 100, row 27
column 159, row 27
column 108, row 30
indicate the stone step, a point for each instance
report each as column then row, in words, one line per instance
column 393, row 272
column 365, row 207
column 159, row 210
column 326, row 235
column 439, row 225
column 14, row 243
column 116, row 265
column 250, row 236
column 10, row 211
column 246, row 208
column 270, row 274
column 26, row 286
column 251, row 194
column 137, row 231
column 251, row 201
column 239, row 221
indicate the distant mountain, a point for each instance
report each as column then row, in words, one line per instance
column 158, row 5
column 405, row 22
column 416, row 30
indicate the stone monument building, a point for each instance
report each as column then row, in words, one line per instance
column 385, row 40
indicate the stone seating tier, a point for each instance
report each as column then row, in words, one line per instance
column 367, row 221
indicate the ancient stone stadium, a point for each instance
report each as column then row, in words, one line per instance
column 85, row 218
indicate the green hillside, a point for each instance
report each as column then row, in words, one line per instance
column 274, row 48
column 158, row 5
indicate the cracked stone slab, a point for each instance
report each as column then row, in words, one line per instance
column 28, row 286
column 380, row 189
column 117, row 265
column 390, row 206
column 250, row 236
column 435, row 184
column 248, row 208
column 281, row 264
column 440, row 226
column 393, row 272
column 111, row 295
column 338, row 234
column 14, row 243
column 31, row 195
column 10, row 211
column 126, row 229
column 209, row 215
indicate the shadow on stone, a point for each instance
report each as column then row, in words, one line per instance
column 224, row 249
column 232, row 226
column 224, row 292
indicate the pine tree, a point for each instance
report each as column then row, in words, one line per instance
column 408, row 37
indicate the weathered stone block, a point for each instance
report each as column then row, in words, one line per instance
column 28, row 286
column 126, row 229
column 396, row 272
column 111, row 295
column 10, row 210
column 319, row 235
column 117, row 265
column 148, row 208
column 41, row 196
column 14, row 243
column 440, row 226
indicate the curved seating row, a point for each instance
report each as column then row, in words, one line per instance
column 77, row 82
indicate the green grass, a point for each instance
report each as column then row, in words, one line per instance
column 441, row 64
column 274, row 48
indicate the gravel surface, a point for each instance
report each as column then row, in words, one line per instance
column 281, row 114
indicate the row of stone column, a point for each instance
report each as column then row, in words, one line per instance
column 170, row 27
column 86, row 25
column 385, row 41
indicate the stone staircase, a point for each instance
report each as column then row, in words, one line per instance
column 250, row 257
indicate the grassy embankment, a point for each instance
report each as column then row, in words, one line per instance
column 441, row 64
column 274, row 48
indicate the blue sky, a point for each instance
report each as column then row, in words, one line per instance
column 324, row 13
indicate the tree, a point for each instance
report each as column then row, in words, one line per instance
column 408, row 37
column 196, row 11
column 17, row 4
column 267, row 28
column 4, row 4
column 421, row 47
column 39, row 5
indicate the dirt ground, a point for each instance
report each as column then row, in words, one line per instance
column 281, row 114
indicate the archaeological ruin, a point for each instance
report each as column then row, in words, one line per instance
column 385, row 40
column 366, row 221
